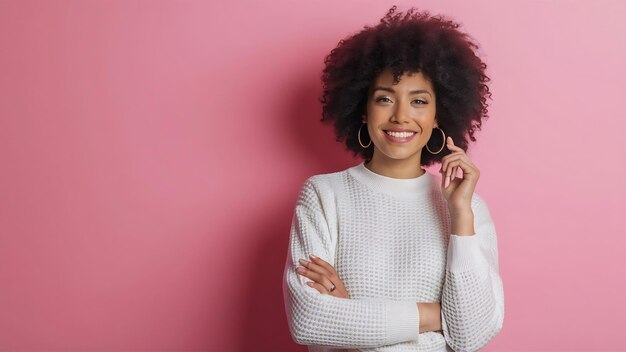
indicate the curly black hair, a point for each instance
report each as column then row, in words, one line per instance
column 411, row 42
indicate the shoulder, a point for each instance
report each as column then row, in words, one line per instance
column 320, row 192
column 324, row 183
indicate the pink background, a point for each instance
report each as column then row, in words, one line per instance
column 151, row 153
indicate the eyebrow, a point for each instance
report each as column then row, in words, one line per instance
column 390, row 90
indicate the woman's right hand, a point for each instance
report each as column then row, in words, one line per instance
column 430, row 316
column 324, row 276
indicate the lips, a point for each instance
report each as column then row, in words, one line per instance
column 399, row 137
column 399, row 134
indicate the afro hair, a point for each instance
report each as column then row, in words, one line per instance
column 413, row 41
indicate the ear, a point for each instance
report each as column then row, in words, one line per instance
column 364, row 118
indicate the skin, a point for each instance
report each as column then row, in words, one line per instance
column 410, row 104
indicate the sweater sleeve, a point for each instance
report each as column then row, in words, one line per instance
column 321, row 319
column 472, row 304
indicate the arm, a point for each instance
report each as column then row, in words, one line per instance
column 472, row 305
column 320, row 319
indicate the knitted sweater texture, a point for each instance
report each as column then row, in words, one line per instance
column 391, row 244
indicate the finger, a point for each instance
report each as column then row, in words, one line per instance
column 465, row 167
column 446, row 159
column 466, row 164
column 319, row 287
column 443, row 180
column 316, row 286
column 446, row 178
column 317, row 277
column 455, row 156
column 444, row 164
column 450, row 166
column 329, row 273
column 322, row 280
column 314, row 267
column 453, row 166
column 458, row 172
column 451, row 145
column 319, row 261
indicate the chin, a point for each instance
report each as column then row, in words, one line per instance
column 403, row 156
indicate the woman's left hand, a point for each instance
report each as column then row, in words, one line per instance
column 457, row 190
column 324, row 276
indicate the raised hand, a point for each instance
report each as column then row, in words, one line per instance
column 458, row 190
column 324, row 276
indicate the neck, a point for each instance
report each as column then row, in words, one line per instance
column 396, row 168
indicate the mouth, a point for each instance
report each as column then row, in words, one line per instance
column 399, row 137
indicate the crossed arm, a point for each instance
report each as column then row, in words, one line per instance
column 326, row 281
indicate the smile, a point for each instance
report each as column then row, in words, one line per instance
column 399, row 137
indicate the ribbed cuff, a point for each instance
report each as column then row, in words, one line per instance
column 403, row 322
column 464, row 253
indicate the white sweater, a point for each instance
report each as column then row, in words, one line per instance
column 390, row 243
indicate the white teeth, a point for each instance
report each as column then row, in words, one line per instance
column 400, row 134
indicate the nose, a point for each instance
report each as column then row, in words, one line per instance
column 400, row 114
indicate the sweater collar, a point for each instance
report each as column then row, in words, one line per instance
column 397, row 187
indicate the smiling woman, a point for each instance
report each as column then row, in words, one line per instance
column 382, row 255
column 399, row 120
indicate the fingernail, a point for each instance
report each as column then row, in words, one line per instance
column 447, row 182
column 312, row 256
column 300, row 270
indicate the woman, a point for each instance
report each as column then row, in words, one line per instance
column 383, row 256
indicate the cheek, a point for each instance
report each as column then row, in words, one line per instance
column 426, row 117
column 377, row 115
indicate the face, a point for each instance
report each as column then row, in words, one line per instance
column 400, row 117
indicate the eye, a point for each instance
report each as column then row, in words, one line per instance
column 383, row 99
column 420, row 101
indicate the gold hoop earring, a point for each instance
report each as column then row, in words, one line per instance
column 359, row 137
column 444, row 142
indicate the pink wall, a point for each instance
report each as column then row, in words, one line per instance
column 152, row 152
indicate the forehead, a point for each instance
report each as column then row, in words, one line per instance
column 408, row 80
